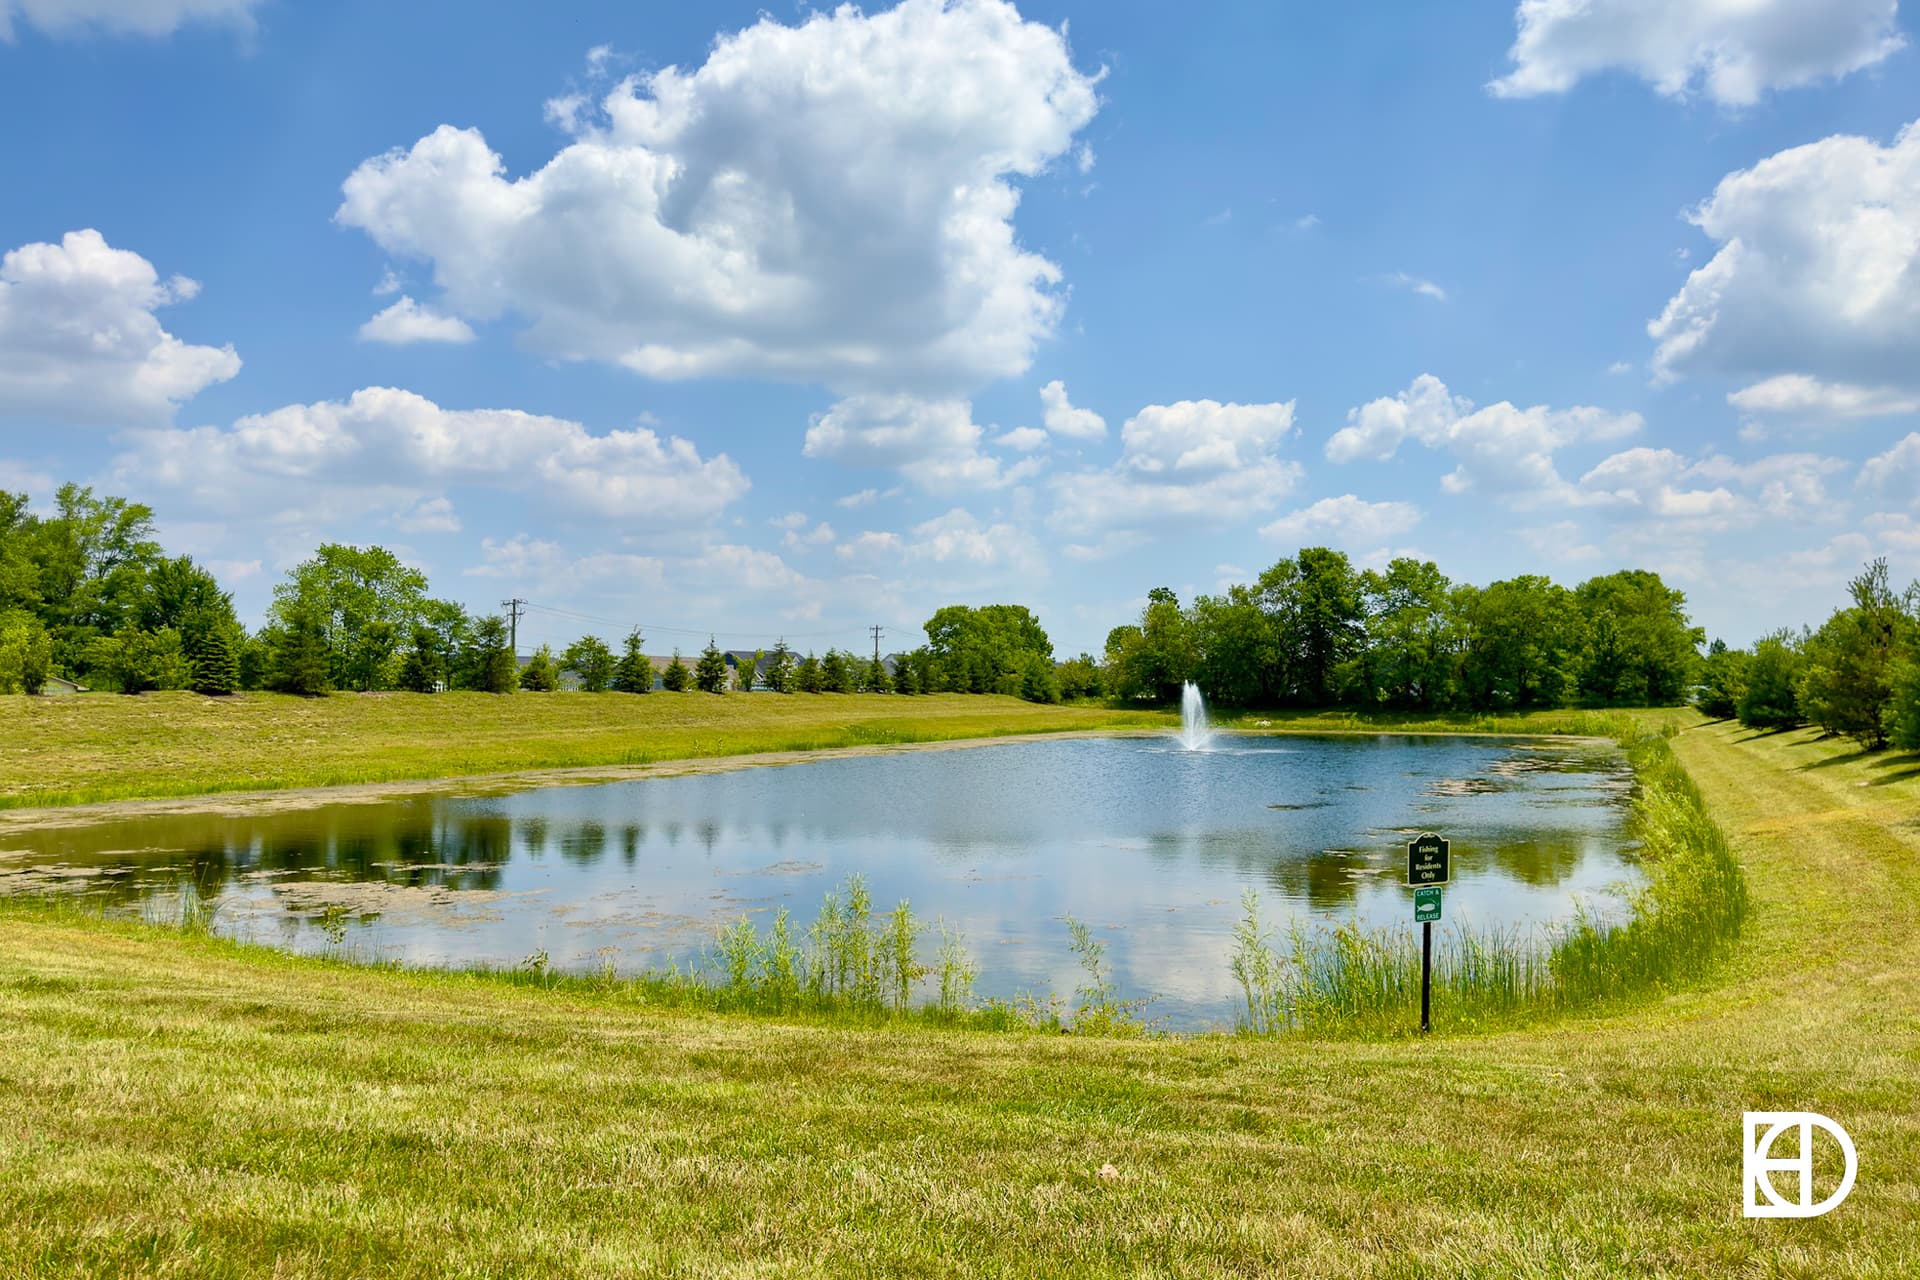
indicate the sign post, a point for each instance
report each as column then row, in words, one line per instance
column 1428, row 868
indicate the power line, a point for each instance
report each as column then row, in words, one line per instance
column 878, row 631
column 514, row 607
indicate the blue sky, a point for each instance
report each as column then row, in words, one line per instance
column 762, row 322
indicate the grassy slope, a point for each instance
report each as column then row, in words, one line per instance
column 191, row 1107
column 106, row 747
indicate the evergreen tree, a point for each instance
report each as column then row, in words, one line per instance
column 212, row 652
column 677, row 678
column 633, row 673
column 836, row 673
column 710, row 673
column 747, row 674
column 542, row 673
column 808, row 677
column 591, row 660
column 422, row 669
column 779, row 673
column 299, row 660
column 1723, row 681
column 906, row 678
column 874, row 679
column 1846, row 686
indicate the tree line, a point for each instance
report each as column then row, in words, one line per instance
column 1314, row 631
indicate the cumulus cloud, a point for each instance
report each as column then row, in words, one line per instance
column 121, row 17
column 1734, row 50
column 957, row 542
column 1794, row 397
column 406, row 321
column 79, row 342
column 1063, row 419
column 1715, row 493
column 429, row 515
column 1195, row 462
column 831, row 202
column 522, row 559
column 1021, row 439
column 1818, row 273
column 1895, row 473
column 933, row 443
column 397, row 440
column 1347, row 520
column 1500, row 450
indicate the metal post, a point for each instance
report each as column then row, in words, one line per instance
column 1426, row 976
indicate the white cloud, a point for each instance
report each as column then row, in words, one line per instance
column 1734, row 49
column 399, row 440
column 1620, row 367
column 1500, row 450
column 957, row 541
column 406, row 321
column 1022, row 439
column 79, row 342
column 1896, row 472
column 389, row 284
column 830, row 202
column 1797, row 398
column 864, row 498
column 1347, row 520
column 1196, row 462
column 1063, row 419
column 121, row 17
column 1818, row 273
column 1561, row 540
column 1665, row 487
column 429, row 515
column 523, row 559
column 933, row 443
column 1414, row 284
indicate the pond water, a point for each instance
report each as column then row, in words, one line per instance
column 1149, row 844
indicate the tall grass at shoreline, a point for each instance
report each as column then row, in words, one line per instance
column 1684, row 919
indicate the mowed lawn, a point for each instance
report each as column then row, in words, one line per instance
column 107, row 747
column 181, row 1106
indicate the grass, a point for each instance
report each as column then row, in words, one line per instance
column 58, row 751
column 183, row 1105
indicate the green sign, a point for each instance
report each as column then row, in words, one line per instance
column 1426, row 904
column 1427, row 861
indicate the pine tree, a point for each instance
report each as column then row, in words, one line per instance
column 875, row 678
column 301, row 661
column 835, row 675
column 633, row 673
column 711, row 671
column 807, row 675
column 779, row 673
column 676, row 678
column 212, row 654
column 490, row 662
column 422, row 670
column 542, row 673
column 591, row 660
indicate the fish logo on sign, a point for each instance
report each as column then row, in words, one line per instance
column 1763, row 1200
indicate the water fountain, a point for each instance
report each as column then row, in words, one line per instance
column 1195, row 733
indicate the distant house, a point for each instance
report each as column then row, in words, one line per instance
column 569, row 678
column 59, row 687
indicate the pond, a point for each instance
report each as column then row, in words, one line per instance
column 1149, row 844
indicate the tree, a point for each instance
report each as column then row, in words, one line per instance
column 542, row 673
column 836, row 673
column 747, row 674
column 1639, row 648
column 1151, row 661
column 874, row 677
column 1519, row 649
column 489, row 660
column 423, row 669
column 906, row 675
column 591, row 660
column 1038, row 681
column 1903, row 710
column 365, row 600
column 1315, row 602
column 1236, row 659
column 298, row 660
column 140, row 661
column 979, row 646
column 1770, row 700
column 1412, row 636
column 634, row 673
column 212, row 643
column 710, row 673
column 1723, row 681
column 779, row 673
column 1080, row 678
column 26, row 652
column 809, row 676
column 94, row 558
column 1846, row 686
column 677, row 678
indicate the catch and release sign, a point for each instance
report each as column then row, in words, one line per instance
column 1427, row 861
column 1426, row 904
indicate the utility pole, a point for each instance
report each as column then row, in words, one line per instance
column 514, row 607
column 877, row 633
